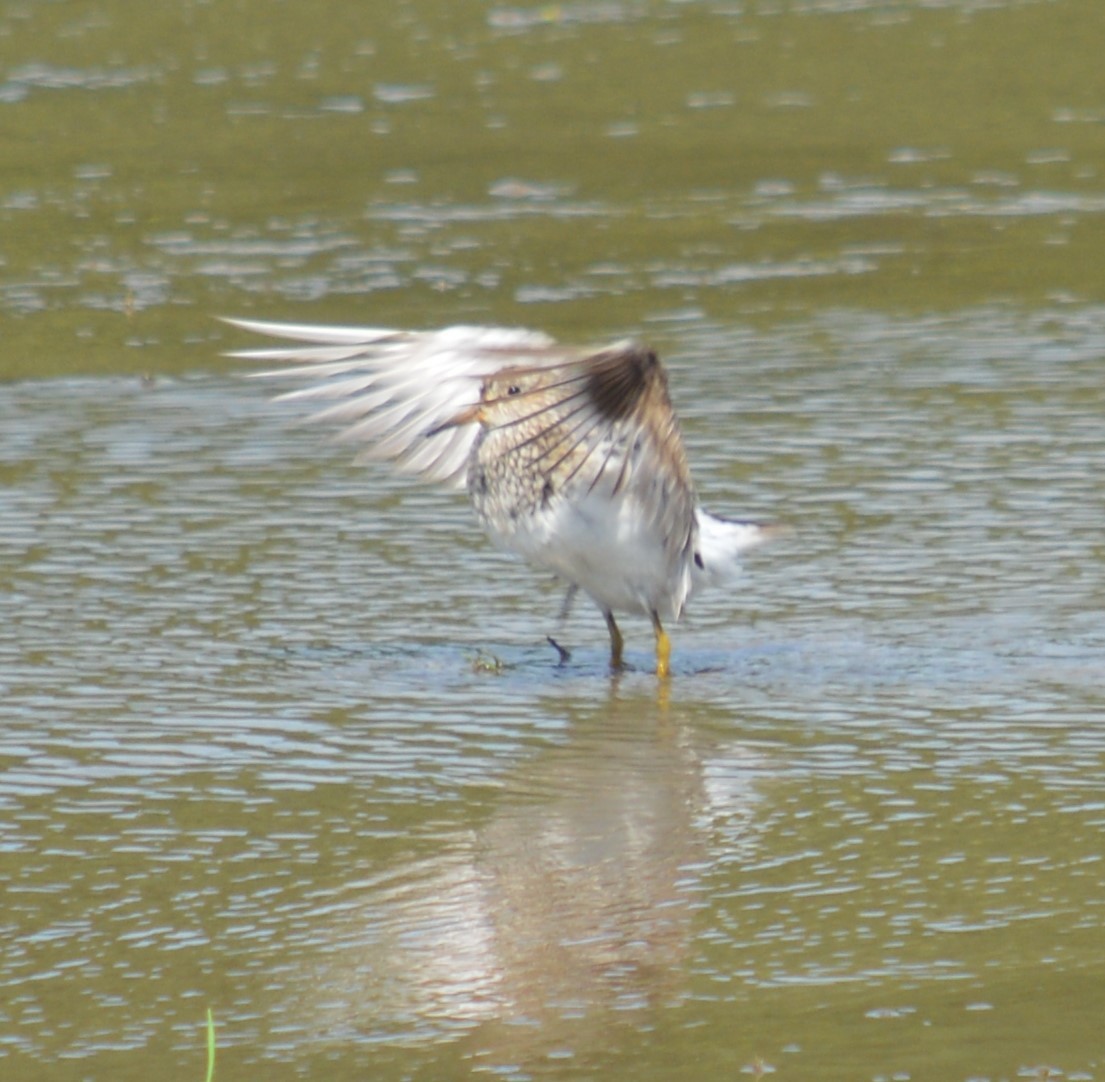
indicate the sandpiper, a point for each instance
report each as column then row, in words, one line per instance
column 572, row 457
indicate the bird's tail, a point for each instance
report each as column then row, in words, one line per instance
column 721, row 542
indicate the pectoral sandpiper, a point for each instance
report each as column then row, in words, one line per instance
column 572, row 457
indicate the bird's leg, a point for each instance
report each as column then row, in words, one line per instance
column 564, row 652
column 565, row 612
column 616, row 641
column 567, row 603
column 663, row 648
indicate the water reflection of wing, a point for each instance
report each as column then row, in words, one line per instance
column 575, row 900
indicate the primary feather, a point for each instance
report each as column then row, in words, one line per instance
column 388, row 389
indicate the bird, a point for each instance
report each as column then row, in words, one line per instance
column 572, row 456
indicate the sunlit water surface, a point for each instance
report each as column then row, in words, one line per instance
column 281, row 736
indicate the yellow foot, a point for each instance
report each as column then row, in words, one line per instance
column 663, row 649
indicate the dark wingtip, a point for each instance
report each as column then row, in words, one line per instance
column 619, row 380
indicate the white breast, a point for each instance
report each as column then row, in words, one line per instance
column 607, row 547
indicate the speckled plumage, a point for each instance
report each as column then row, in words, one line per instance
column 573, row 458
column 580, row 468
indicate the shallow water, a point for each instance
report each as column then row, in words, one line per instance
column 281, row 736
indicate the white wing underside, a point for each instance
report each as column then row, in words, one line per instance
column 393, row 390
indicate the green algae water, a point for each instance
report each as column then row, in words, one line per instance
column 281, row 736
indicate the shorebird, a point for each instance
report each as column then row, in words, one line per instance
column 572, row 457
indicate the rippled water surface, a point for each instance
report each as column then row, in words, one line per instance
column 281, row 736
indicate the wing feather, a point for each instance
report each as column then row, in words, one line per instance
column 603, row 420
column 389, row 388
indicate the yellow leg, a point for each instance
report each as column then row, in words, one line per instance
column 663, row 649
column 616, row 641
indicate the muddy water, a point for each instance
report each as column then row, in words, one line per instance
column 280, row 735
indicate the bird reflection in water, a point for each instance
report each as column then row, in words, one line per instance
column 571, row 906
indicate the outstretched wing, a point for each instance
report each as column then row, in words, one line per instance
column 399, row 392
